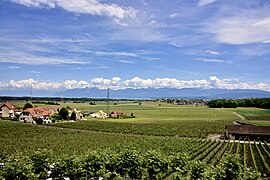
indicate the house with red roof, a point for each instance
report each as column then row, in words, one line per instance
column 30, row 114
column 116, row 114
column 8, row 110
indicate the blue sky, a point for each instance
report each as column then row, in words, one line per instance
column 98, row 43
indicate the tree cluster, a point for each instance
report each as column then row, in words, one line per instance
column 233, row 103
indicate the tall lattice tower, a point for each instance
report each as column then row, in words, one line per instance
column 108, row 101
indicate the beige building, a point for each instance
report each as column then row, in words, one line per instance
column 43, row 113
column 79, row 115
column 8, row 110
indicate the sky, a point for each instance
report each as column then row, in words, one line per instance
column 54, row 44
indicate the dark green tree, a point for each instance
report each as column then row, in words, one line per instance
column 27, row 105
column 63, row 113
column 73, row 116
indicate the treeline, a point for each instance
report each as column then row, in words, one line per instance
column 125, row 164
column 44, row 102
column 54, row 99
column 233, row 103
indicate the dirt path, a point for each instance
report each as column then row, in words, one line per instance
column 240, row 116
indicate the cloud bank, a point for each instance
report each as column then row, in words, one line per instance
column 136, row 83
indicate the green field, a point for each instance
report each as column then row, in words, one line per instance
column 255, row 116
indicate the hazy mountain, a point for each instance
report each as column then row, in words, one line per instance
column 151, row 93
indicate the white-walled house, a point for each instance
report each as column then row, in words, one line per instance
column 79, row 115
column 100, row 114
column 29, row 114
column 8, row 110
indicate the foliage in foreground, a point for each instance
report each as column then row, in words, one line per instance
column 126, row 164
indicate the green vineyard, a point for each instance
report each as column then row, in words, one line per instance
column 27, row 139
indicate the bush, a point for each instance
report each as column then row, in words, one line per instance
column 38, row 120
column 125, row 164
column 27, row 105
column 73, row 116
column 63, row 113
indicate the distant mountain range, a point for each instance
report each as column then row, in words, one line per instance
column 153, row 93
column 147, row 93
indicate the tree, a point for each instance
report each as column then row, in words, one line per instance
column 27, row 105
column 73, row 116
column 63, row 113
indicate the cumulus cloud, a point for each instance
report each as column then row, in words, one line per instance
column 92, row 7
column 137, row 83
column 28, row 83
column 103, row 83
column 72, row 84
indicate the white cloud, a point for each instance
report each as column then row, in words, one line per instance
column 235, row 84
column 205, row 2
column 35, row 72
column 27, row 58
column 102, row 53
column 28, row 83
column 212, row 52
column 9, row 67
column 241, row 29
column 173, row 15
column 212, row 60
column 92, row 7
column 137, row 82
column 72, row 84
column 103, row 83
column 125, row 61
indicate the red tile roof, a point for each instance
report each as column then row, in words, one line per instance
column 247, row 129
column 9, row 106
column 41, row 111
column 116, row 113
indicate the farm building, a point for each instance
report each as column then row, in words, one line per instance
column 79, row 115
column 43, row 113
column 116, row 114
column 100, row 114
column 241, row 132
column 8, row 110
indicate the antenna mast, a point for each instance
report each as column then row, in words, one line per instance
column 31, row 92
column 108, row 101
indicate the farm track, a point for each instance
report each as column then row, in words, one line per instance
column 240, row 116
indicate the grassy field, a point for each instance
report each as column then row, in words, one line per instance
column 255, row 116
column 153, row 119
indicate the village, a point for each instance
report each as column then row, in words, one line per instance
column 51, row 114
